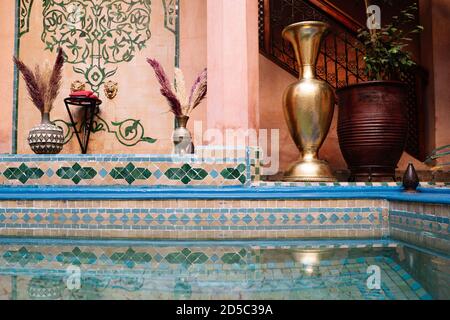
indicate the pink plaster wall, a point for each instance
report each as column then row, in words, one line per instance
column 193, row 54
column 233, row 64
column 7, row 13
column 138, row 97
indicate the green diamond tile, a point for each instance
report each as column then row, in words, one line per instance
column 130, row 173
column 23, row 173
column 186, row 174
column 231, row 258
column 237, row 173
column 130, row 258
column 23, row 256
column 76, row 173
column 130, row 167
column 186, row 180
column 176, row 258
column 185, row 256
column 197, row 174
column 76, row 257
column 197, row 258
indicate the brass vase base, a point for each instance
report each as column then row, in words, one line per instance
column 309, row 171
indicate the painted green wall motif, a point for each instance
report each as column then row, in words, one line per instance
column 129, row 132
column 170, row 15
column 96, row 35
column 24, row 16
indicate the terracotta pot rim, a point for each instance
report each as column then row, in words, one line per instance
column 373, row 83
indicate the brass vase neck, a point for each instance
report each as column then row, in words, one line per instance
column 45, row 117
column 181, row 121
column 306, row 38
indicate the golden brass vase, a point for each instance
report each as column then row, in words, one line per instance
column 308, row 104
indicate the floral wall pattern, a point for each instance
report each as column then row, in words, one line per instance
column 103, row 40
column 96, row 35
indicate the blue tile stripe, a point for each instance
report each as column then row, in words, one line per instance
column 223, row 193
column 424, row 216
column 417, row 223
column 192, row 219
column 117, row 158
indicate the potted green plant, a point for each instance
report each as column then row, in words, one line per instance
column 439, row 153
column 372, row 124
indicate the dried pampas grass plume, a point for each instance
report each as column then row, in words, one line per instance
column 32, row 84
column 166, row 87
column 180, row 89
column 199, row 90
column 43, row 84
column 55, row 80
column 180, row 103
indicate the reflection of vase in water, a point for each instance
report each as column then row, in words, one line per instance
column 308, row 104
column 182, row 138
column 46, row 138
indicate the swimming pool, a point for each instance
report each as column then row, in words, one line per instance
column 322, row 269
column 228, row 239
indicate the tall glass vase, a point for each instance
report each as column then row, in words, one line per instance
column 308, row 104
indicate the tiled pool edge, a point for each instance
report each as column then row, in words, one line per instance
column 227, row 213
column 422, row 224
column 199, row 219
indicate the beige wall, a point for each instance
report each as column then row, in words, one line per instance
column 7, row 26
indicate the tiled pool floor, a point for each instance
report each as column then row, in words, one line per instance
column 39, row 269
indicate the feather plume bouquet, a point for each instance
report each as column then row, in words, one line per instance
column 181, row 104
column 43, row 84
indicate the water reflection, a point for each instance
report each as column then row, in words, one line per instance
column 218, row 272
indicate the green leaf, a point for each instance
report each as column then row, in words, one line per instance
column 131, row 128
column 148, row 140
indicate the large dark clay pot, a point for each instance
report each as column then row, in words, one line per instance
column 372, row 127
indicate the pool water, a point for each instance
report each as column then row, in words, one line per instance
column 361, row 270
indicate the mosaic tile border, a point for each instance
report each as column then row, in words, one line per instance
column 208, row 219
column 19, row 255
column 209, row 167
column 425, row 225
